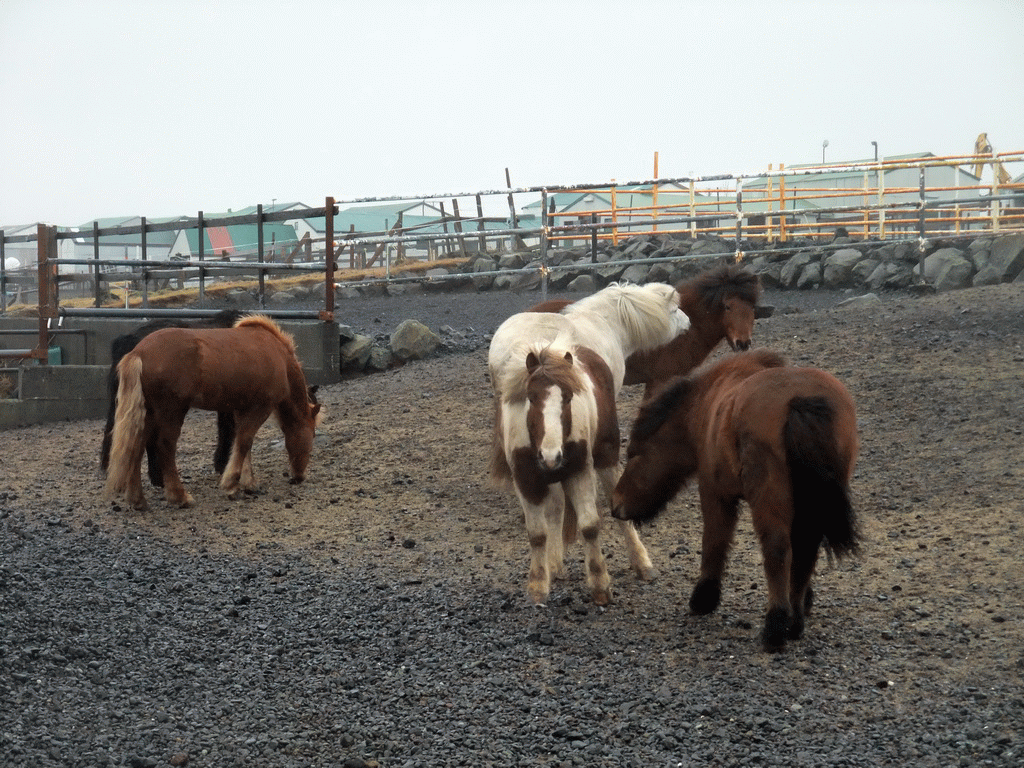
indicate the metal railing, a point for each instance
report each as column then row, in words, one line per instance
column 744, row 206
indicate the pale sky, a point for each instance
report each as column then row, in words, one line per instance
column 164, row 108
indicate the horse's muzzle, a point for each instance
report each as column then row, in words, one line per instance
column 550, row 463
column 739, row 345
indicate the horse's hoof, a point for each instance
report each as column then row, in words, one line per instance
column 295, row 480
column 776, row 630
column 706, row 596
column 647, row 574
column 601, row 596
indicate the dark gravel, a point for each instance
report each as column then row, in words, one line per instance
column 123, row 645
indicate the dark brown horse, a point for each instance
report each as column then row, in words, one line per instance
column 750, row 427
column 124, row 344
column 250, row 370
column 721, row 304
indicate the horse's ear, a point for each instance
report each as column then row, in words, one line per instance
column 568, row 357
column 532, row 362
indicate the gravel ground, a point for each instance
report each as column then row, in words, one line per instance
column 376, row 615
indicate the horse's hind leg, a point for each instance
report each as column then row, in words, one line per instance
column 639, row 559
column 720, row 518
column 772, row 523
column 582, row 492
column 805, row 557
column 166, row 442
column 225, row 438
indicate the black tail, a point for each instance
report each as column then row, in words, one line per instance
column 822, row 512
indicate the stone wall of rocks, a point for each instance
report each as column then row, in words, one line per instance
column 859, row 266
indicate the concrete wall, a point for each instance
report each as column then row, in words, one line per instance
column 76, row 389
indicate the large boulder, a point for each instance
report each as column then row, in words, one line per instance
column 810, row 276
column 1007, row 255
column 355, row 353
column 939, row 261
column 955, row 274
column 636, row 273
column 837, row 269
column 412, row 340
column 793, row 268
column 585, row 283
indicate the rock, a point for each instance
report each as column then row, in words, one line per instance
column 636, row 273
column 988, row 276
column 1007, row 255
column 793, row 268
column 584, row 284
column 810, row 276
column 355, row 353
column 858, row 302
column 955, row 273
column 380, row 359
column 837, row 269
column 939, row 260
column 412, row 340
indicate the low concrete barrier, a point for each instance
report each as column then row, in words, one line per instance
column 78, row 389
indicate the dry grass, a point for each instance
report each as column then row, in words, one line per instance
column 179, row 297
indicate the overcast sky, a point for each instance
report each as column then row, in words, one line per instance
column 163, row 108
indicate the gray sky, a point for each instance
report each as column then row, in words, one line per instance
column 163, row 108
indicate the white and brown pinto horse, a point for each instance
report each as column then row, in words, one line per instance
column 556, row 433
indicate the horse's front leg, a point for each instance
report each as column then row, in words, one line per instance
column 537, row 513
column 720, row 518
column 240, row 463
column 639, row 559
column 581, row 492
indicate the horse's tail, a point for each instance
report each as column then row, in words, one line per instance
column 822, row 511
column 501, row 472
column 129, row 424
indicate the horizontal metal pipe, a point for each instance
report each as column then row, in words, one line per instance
column 277, row 314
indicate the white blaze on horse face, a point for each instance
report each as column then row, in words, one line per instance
column 549, row 452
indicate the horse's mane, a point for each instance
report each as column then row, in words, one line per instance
column 655, row 410
column 639, row 309
column 716, row 285
column 552, row 364
column 265, row 322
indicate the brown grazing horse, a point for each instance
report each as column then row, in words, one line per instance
column 750, row 427
column 721, row 304
column 124, row 344
column 250, row 370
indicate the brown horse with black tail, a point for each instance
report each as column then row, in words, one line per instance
column 750, row 427
column 722, row 303
column 124, row 344
column 250, row 370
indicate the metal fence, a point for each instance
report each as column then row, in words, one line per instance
column 744, row 206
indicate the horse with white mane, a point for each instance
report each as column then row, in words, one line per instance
column 556, row 433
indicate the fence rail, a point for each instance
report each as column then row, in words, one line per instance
column 773, row 207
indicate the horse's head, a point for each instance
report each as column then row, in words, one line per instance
column 551, row 384
column 660, row 456
column 738, row 322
